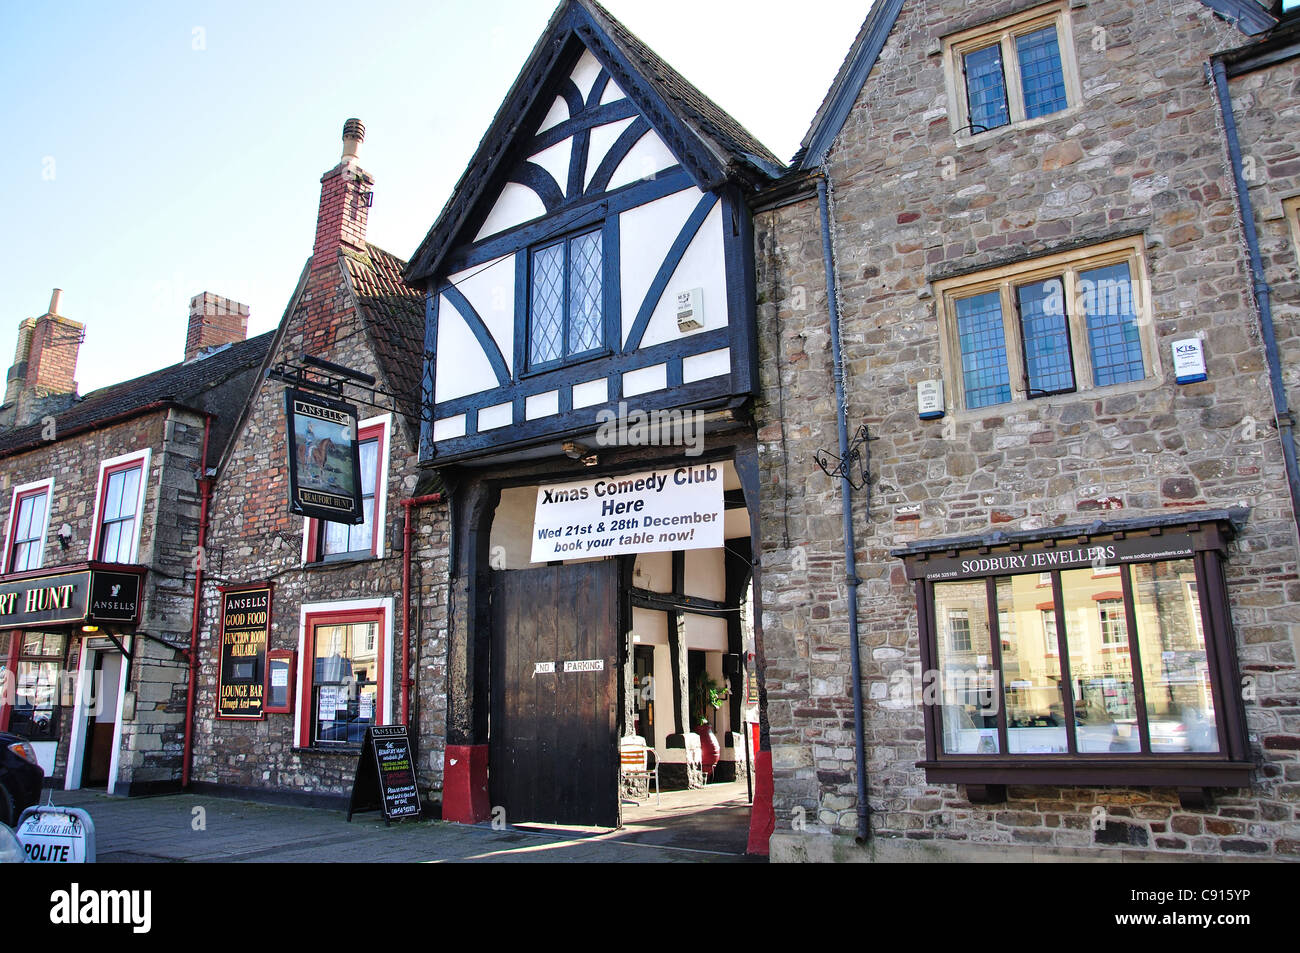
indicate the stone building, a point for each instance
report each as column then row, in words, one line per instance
column 102, row 496
column 348, row 604
column 1075, row 548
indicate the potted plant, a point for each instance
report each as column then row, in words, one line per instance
column 711, row 695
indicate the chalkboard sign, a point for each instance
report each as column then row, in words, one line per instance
column 241, row 671
column 385, row 778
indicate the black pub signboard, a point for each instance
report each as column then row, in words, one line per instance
column 324, row 471
column 385, row 778
column 70, row 597
column 245, row 632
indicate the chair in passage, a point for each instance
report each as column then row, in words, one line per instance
column 637, row 765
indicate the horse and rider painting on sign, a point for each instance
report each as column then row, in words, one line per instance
column 324, row 472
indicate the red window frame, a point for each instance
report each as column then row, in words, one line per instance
column 101, row 506
column 307, row 668
column 14, row 510
column 315, row 533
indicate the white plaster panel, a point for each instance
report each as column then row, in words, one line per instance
column 498, row 415
column 646, row 158
column 515, row 205
column 559, row 112
column 612, row 93
column 646, row 380
column 700, row 367
column 585, row 73
column 449, row 428
column 653, row 571
column 463, row 367
column 705, row 575
column 703, row 632
column 645, row 235
column 542, row 405
column 735, row 524
column 651, row 625
column 490, row 288
column 601, row 140
column 590, row 393
column 701, row 267
column 555, row 160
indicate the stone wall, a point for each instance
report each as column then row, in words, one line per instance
column 151, row 743
column 1143, row 155
column 254, row 538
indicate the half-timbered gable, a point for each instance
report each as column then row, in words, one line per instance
column 597, row 250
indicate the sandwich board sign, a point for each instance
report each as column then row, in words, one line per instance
column 56, row 835
column 385, row 778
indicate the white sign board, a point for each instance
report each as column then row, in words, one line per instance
column 1189, row 361
column 57, row 835
column 585, row 665
column 653, row 512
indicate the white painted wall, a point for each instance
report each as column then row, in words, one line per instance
column 490, row 288
column 646, row 158
column 585, row 72
column 645, row 235
column 558, row 113
column 515, row 205
column 555, row 160
column 601, row 140
column 463, row 368
column 702, row 267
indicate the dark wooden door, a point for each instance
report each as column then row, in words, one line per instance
column 553, row 753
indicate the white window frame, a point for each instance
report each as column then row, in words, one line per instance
column 384, row 659
column 313, row 528
column 1004, row 32
column 144, row 457
column 24, row 490
column 1005, row 279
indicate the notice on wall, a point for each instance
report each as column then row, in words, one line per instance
column 245, row 632
column 652, row 512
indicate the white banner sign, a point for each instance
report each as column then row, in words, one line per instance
column 653, row 512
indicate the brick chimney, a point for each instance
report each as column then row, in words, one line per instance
column 43, row 376
column 345, row 194
column 214, row 321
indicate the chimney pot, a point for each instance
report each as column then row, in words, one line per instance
column 354, row 133
column 56, row 299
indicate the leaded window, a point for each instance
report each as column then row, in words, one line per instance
column 566, row 300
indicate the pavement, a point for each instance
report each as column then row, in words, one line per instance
column 708, row 826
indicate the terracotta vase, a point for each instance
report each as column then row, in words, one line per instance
column 710, row 752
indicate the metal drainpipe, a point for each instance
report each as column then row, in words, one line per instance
column 205, row 489
column 846, row 498
column 1261, row 289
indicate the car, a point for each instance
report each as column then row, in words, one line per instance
column 21, row 777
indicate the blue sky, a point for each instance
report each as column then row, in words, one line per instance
column 157, row 150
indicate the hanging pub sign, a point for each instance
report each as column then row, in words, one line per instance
column 385, row 778
column 324, row 470
column 245, row 631
column 654, row 512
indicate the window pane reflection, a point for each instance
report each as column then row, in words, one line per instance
column 1175, row 672
column 1101, row 669
column 1031, row 668
column 966, row 682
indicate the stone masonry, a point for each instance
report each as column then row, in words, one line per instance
column 1144, row 154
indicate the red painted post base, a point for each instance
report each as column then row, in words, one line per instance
column 465, row 784
column 762, row 817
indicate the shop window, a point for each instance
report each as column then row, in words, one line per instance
column 1123, row 678
column 1012, row 71
column 566, row 300
column 38, row 685
column 1067, row 323
column 344, row 676
column 327, row 541
column 118, row 508
column 28, row 520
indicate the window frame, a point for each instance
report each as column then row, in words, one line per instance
column 107, row 468
column 1003, row 33
column 374, row 428
column 528, row 367
column 313, row 615
column 1291, row 211
column 1005, row 279
column 987, row 774
column 20, row 493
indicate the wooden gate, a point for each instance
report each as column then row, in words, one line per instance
column 553, row 756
